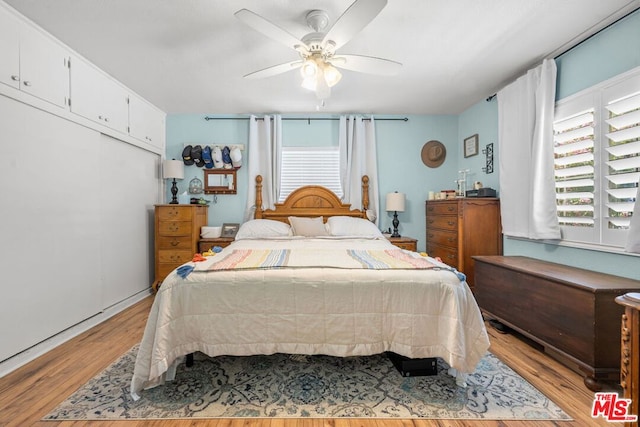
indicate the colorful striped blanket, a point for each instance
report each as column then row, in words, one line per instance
column 254, row 259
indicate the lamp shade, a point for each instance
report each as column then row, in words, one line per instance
column 395, row 202
column 173, row 169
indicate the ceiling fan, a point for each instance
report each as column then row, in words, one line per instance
column 317, row 50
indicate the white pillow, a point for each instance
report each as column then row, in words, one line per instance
column 263, row 229
column 355, row 227
column 309, row 227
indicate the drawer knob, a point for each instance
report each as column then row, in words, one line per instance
column 451, row 223
column 174, row 243
column 451, row 209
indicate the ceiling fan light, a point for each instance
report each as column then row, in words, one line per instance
column 331, row 75
column 309, row 69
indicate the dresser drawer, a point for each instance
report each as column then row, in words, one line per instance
column 175, row 213
column 442, row 208
column 162, row 270
column 174, row 228
column 174, row 257
column 442, row 237
column 407, row 246
column 174, row 242
column 448, row 255
column 442, row 222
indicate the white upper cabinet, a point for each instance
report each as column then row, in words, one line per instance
column 9, row 50
column 32, row 62
column 146, row 122
column 97, row 97
column 44, row 67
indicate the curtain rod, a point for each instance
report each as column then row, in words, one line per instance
column 308, row 119
column 557, row 55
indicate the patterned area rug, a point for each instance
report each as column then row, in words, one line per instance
column 309, row 386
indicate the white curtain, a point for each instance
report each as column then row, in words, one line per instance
column 527, row 184
column 265, row 146
column 357, row 144
column 633, row 239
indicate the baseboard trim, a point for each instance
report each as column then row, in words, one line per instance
column 26, row 356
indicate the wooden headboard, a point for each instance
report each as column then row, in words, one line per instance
column 311, row 201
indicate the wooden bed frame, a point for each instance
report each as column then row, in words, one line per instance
column 311, row 201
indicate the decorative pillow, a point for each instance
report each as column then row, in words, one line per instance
column 263, row 229
column 355, row 227
column 309, row 227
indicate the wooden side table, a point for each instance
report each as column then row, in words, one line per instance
column 630, row 352
column 404, row 242
column 206, row 244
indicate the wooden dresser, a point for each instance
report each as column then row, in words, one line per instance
column 177, row 231
column 457, row 229
column 630, row 352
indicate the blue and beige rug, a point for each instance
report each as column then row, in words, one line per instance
column 309, row 386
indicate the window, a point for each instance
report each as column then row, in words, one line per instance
column 597, row 160
column 309, row 166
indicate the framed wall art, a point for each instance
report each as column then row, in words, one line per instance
column 471, row 146
column 229, row 230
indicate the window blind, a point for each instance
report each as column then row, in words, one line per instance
column 309, row 166
column 574, row 168
column 623, row 149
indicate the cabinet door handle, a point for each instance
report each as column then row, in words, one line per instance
column 26, row 83
column 15, row 78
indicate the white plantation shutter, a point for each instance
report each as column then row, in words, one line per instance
column 309, row 166
column 597, row 161
column 623, row 148
column 574, row 169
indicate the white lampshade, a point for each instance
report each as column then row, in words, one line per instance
column 395, row 202
column 173, row 169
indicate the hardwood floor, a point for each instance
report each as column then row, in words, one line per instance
column 29, row 393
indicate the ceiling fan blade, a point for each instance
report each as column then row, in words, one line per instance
column 271, row 30
column 367, row 64
column 273, row 70
column 354, row 19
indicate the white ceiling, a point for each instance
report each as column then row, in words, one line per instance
column 189, row 56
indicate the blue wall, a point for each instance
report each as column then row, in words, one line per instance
column 400, row 167
column 612, row 51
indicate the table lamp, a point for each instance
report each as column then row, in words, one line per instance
column 395, row 204
column 173, row 169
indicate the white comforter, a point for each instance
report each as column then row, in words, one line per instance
column 316, row 310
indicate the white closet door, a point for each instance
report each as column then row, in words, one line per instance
column 129, row 187
column 50, row 228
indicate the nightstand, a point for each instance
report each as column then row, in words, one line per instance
column 206, row 244
column 405, row 243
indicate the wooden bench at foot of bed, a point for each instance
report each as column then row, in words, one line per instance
column 570, row 311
